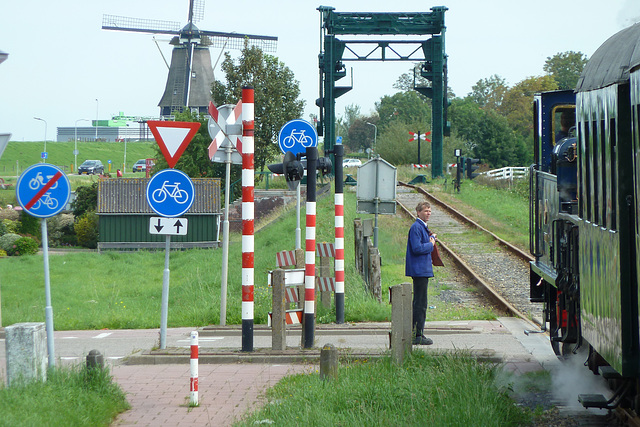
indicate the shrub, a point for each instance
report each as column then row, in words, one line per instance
column 7, row 241
column 9, row 214
column 24, row 246
column 11, row 225
column 86, row 199
column 29, row 224
column 3, row 253
column 3, row 228
column 60, row 230
column 86, row 229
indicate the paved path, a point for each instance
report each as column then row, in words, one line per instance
column 159, row 394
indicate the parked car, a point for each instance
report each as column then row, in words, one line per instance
column 91, row 167
column 351, row 163
column 141, row 165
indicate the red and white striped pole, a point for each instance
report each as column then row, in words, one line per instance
column 339, row 233
column 310, row 250
column 247, row 217
column 193, row 400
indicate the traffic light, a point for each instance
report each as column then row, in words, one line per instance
column 324, row 165
column 471, row 167
column 291, row 168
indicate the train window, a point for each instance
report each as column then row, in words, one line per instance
column 604, row 170
column 563, row 122
column 586, row 188
column 613, row 171
column 594, row 165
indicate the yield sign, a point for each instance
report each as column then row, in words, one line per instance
column 173, row 137
column 423, row 136
column 4, row 140
column 225, row 126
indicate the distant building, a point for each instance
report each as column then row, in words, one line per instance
column 119, row 128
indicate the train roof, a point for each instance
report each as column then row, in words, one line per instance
column 613, row 61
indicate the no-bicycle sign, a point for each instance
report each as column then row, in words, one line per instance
column 43, row 190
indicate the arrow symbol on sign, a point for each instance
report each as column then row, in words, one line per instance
column 177, row 225
column 159, row 226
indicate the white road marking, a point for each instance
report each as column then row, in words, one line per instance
column 103, row 335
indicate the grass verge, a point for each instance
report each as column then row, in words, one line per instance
column 71, row 396
column 448, row 390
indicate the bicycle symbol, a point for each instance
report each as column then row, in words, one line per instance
column 38, row 181
column 297, row 137
column 47, row 200
column 179, row 195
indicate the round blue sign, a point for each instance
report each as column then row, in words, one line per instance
column 43, row 190
column 170, row 193
column 296, row 136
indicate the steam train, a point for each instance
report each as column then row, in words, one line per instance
column 585, row 217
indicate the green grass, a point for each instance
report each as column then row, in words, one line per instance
column 452, row 390
column 71, row 396
column 21, row 155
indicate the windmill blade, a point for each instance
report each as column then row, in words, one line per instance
column 236, row 40
column 196, row 10
column 152, row 26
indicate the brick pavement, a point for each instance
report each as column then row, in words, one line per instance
column 159, row 394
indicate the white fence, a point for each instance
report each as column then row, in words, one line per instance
column 507, row 173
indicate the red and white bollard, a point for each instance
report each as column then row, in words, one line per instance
column 193, row 399
column 247, row 217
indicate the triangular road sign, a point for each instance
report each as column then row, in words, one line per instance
column 4, row 140
column 173, row 137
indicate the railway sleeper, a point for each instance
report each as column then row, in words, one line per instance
column 601, row 402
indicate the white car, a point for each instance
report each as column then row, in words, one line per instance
column 351, row 163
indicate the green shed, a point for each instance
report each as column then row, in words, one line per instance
column 124, row 216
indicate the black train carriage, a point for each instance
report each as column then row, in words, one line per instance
column 584, row 216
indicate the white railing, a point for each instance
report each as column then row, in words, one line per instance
column 507, row 173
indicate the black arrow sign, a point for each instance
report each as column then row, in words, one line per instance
column 177, row 225
column 159, row 227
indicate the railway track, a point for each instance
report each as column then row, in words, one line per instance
column 497, row 267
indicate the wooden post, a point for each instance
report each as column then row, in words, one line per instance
column 375, row 274
column 397, row 324
column 278, row 315
column 407, row 296
column 357, row 240
column 328, row 362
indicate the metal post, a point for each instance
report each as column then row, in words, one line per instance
column 48, row 310
column 247, row 217
column 193, row 365
column 164, row 313
column 225, row 238
column 310, row 251
column 298, row 238
column 339, row 232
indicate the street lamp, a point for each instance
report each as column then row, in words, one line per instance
column 375, row 135
column 97, row 104
column 75, row 144
column 45, row 134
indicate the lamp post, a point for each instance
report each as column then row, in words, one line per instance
column 97, row 104
column 45, row 134
column 75, row 145
column 375, row 135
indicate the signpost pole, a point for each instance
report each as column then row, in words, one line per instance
column 164, row 314
column 48, row 310
column 298, row 244
column 225, row 239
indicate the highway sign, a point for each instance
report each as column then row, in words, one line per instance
column 4, row 141
column 225, row 127
column 296, row 136
column 170, row 193
column 43, row 190
column 173, row 137
column 168, row 226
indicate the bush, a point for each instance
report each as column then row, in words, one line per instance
column 7, row 241
column 11, row 226
column 29, row 224
column 24, row 246
column 86, row 200
column 86, row 229
column 3, row 228
column 60, row 230
column 9, row 214
column 3, row 253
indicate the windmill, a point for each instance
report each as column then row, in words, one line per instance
column 190, row 73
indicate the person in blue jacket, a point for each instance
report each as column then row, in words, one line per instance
column 418, row 266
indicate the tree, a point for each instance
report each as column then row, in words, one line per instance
column 276, row 97
column 361, row 135
column 407, row 107
column 489, row 93
column 565, row 68
column 488, row 135
column 518, row 101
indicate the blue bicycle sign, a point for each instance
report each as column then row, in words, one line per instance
column 43, row 190
column 296, row 136
column 170, row 193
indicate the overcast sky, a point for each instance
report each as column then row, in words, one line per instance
column 61, row 61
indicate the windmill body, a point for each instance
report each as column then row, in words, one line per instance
column 190, row 72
